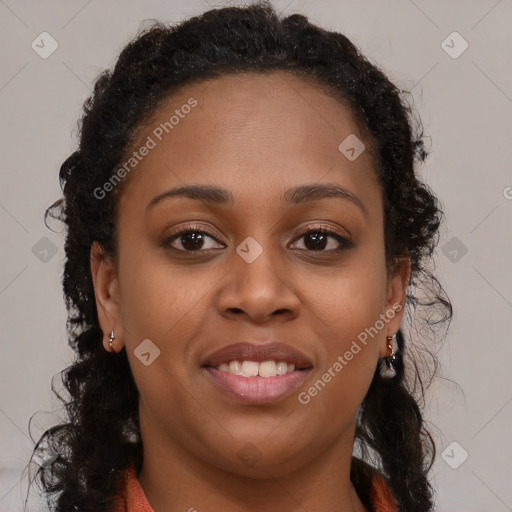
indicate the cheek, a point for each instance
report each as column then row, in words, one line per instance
column 157, row 297
column 163, row 304
column 346, row 315
column 352, row 298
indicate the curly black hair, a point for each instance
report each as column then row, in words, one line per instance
column 100, row 436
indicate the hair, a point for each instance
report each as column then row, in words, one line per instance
column 100, row 436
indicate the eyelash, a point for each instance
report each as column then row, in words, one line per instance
column 344, row 243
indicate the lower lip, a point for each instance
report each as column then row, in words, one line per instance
column 258, row 390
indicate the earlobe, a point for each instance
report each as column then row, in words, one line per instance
column 106, row 291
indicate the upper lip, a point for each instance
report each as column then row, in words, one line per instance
column 259, row 352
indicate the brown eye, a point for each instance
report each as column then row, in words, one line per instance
column 191, row 240
column 318, row 239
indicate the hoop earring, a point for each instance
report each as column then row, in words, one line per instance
column 111, row 339
column 388, row 364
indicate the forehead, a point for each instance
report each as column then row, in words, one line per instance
column 253, row 133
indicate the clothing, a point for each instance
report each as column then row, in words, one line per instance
column 131, row 497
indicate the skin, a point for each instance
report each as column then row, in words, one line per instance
column 258, row 136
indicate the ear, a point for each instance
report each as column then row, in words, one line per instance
column 106, row 291
column 394, row 309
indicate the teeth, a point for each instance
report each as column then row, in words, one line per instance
column 254, row 368
column 282, row 368
column 235, row 368
column 249, row 369
column 267, row 369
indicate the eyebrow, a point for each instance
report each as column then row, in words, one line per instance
column 295, row 196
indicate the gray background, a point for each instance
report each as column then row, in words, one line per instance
column 466, row 106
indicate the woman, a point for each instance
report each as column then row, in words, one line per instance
column 244, row 230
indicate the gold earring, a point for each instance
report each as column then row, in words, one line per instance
column 387, row 365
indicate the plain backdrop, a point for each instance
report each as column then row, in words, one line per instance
column 464, row 98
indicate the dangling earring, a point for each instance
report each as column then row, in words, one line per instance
column 387, row 365
column 111, row 340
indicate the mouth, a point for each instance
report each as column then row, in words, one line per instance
column 257, row 373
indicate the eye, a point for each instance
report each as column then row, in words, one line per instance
column 191, row 238
column 317, row 239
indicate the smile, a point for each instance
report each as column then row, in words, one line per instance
column 255, row 368
column 257, row 389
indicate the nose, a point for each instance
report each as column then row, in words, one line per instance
column 262, row 290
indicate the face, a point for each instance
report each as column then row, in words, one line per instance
column 304, row 269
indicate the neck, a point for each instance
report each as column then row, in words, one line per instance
column 174, row 479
